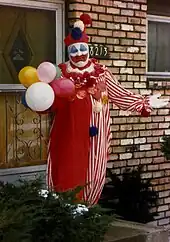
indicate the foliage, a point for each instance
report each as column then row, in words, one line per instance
column 165, row 147
column 130, row 197
column 27, row 216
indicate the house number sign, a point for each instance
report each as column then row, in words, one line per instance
column 98, row 51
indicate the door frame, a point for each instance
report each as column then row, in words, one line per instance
column 59, row 7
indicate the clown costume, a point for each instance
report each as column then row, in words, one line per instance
column 80, row 134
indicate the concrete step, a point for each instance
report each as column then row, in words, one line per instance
column 124, row 231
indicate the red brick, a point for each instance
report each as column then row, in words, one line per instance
column 106, row 2
column 94, row 1
column 114, row 127
column 120, row 19
column 158, row 174
column 139, row 154
column 105, row 32
column 164, row 180
column 135, row 162
column 144, row 7
column 92, row 31
column 126, row 42
column 140, row 28
column 133, row 6
column 163, row 125
column 113, row 26
column 156, row 146
column 163, row 111
column 141, row 14
column 127, row 12
column 158, row 132
column 133, row 63
column 133, row 20
column 145, row 133
column 119, row 34
column 98, row 39
column 158, row 160
column 132, row 134
column 139, row 71
column 143, row 36
column 139, row 57
column 105, row 17
column 138, row 126
column 163, row 208
column 164, row 166
column 120, row 4
column 157, row 119
column 146, row 161
column 119, row 120
column 143, row 22
column 139, row 43
column 152, row 126
column 113, row 10
column 152, row 139
column 151, row 153
column 80, row 6
column 125, row 56
column 97, row 24
column 119, row 164
column 152, row 167
column 133, row 35
column 98, row 9
column 112, row 41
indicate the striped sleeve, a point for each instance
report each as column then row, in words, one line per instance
column 125, row 99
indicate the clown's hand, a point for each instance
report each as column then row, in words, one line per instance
column 155, row 102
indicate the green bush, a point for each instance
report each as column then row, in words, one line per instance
column 27, row 216
column 130, row 196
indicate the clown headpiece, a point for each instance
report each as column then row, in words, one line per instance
column 78, row 34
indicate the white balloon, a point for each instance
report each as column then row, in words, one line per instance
column 39, row 96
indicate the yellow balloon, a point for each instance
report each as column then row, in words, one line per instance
column 28, row 76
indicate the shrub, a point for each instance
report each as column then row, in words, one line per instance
column 27, row 216
column 130, row 197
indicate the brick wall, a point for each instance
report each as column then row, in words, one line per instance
column 122, row 26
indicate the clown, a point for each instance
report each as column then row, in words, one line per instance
column 80, row 134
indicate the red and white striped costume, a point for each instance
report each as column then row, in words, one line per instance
column 75, row 158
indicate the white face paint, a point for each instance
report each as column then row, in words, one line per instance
column 79, row 54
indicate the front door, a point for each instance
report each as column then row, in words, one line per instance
column 27, row 37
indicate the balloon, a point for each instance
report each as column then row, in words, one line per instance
column 39, row 96
column 28, row 76
column 63, row 87
column 58, row 70
column 23, row 100
column 46, row 72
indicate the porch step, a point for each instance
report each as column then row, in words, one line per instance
column 124, row 231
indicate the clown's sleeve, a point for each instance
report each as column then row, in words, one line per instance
column 124, row 99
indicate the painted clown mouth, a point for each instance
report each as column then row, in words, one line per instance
column 77, row 59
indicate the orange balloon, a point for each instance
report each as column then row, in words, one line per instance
column 28, row 76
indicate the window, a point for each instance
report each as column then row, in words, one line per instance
column 28, row 37
column 158, row 47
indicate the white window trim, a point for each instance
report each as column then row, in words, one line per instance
column 58, row 7
column 156, row 75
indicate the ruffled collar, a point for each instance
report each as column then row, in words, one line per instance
column 83, row 78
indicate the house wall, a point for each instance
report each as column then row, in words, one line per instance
column 121, row 25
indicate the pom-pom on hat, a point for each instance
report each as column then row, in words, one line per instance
column 78, row 34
